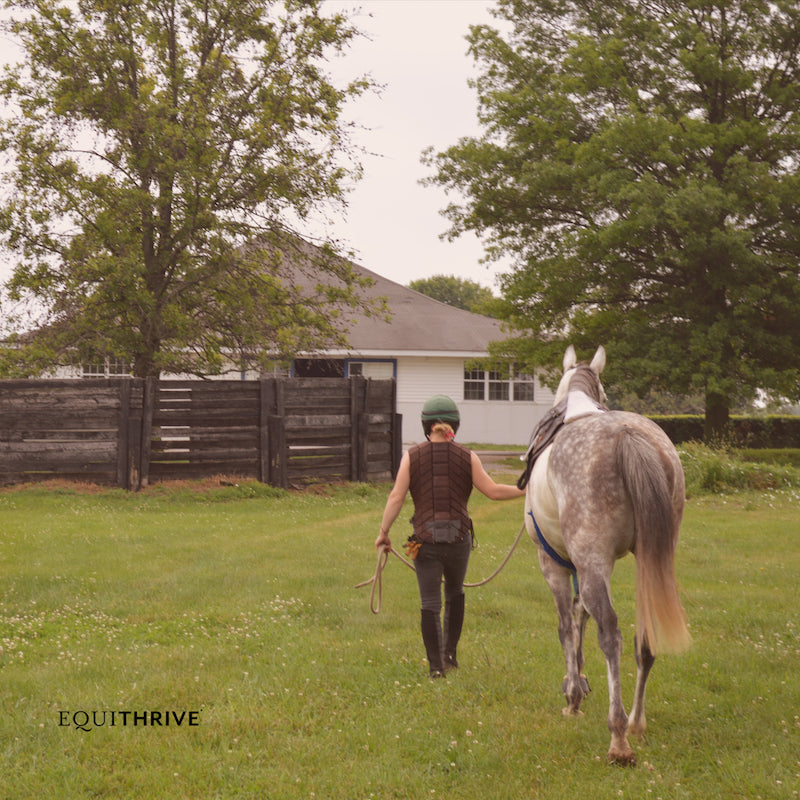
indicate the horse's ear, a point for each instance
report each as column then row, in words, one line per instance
column 570, row 359
column 599, row 361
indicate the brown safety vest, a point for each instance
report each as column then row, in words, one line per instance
column 440, row 484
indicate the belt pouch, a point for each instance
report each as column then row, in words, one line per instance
column 445, row 531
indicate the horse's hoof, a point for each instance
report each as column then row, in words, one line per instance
column 622, row 758
column 571, row 712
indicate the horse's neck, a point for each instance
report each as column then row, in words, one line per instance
column 584, row 380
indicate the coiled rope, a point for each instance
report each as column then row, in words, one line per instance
column 376, row 581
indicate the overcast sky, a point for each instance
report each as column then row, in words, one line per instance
column 416, row 49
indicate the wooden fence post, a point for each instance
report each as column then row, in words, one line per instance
column 129, row 437
column 148, row 409
column 397, row 443
column 396, row 432
column 123, row 435
column 135, row 442
column 267, row 407
column 277, row 450
column 358, row 431
column 362, row 449
column 278, row 454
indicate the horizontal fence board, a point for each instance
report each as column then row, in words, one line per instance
column 196, row 453
column 79, row 449
column 57, row 463
column 222, row 446
column 11, row 435
column 101, row 478
column 294, row 421
column 302, row 436
column 296, row 453
column 198, row 471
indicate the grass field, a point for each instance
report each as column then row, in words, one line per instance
column 236, row 605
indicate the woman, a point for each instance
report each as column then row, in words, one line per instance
column 440, row 475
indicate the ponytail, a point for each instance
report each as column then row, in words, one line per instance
column 444, row 429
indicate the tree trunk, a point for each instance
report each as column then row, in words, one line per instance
column 717, row 419
column 144, row 366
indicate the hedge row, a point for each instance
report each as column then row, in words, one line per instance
column 758, row 432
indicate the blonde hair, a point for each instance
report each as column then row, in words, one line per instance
column 444, row 429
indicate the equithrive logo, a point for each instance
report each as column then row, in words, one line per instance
column 89, row 720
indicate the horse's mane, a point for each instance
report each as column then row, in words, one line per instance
column 585, row 380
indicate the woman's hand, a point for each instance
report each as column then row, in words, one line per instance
column 383, row 542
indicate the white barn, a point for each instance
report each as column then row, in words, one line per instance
column 429, row 348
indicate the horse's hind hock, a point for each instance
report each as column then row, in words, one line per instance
column 584, row 683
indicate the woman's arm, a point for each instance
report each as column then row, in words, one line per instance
column 484, row 484
column 394, row 503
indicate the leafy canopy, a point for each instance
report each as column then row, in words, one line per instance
column 640, row 165
column 458, row 292
column 161, row 157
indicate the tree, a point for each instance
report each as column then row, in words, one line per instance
column 458, row 292
column 163, row 154
column 640, row 164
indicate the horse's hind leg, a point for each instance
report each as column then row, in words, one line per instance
column 644, row 663
column 570, row 630
column 597, row 599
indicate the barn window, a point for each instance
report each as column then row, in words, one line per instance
column 374, row 368
column 498, row 386
column 474, row 384
column 108, row 368
column 523, row 387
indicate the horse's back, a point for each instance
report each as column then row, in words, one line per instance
column 588, row 445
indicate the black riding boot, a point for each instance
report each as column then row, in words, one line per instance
column 453, row 622
column 431, row 638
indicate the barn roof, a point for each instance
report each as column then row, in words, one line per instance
column 418, row 323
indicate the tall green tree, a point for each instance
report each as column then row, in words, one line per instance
column 161, row 156
column 459, row 292
column 640, row 165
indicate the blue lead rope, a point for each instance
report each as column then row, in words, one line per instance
column 562, row 562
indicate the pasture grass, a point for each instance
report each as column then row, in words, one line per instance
column 725, row 469
column 238, row 603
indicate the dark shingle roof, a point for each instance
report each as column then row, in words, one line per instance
column 419, row 323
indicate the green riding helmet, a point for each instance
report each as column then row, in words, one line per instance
column 440, row 408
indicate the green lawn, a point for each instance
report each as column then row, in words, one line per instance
column 238, row 604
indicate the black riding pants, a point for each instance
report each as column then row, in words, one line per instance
column 437, row 561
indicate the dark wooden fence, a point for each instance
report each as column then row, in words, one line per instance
column 130, row 432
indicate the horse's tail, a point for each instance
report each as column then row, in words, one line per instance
column 656, row 491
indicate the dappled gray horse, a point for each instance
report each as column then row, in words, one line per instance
column 610, row 484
